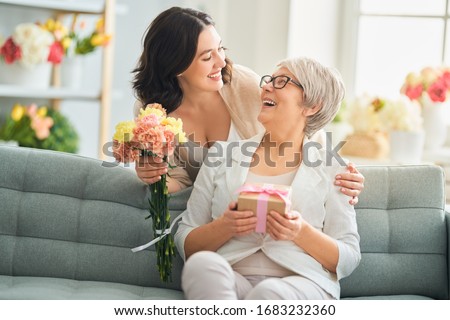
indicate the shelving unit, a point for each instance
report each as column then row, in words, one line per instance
column 55, row 93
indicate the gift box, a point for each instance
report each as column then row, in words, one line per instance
column 262, row 198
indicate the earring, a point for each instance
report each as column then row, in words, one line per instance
column 179, row 75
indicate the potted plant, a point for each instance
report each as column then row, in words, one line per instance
column 39, row 127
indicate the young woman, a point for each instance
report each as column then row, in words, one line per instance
column 184, row 68
column 305, row 251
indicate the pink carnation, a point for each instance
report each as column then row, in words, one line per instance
column 125, row 152
column 150, row 120
column 150, row 139
column 170, row 142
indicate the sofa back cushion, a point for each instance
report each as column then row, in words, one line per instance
column 72, row 217
column 401, row 221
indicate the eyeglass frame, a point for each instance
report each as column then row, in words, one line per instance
column 289, row 79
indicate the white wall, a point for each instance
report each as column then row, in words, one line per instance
column 256, row 33
column 314, row 30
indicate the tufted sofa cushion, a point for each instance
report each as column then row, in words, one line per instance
column 70, row 217
column 401, row 221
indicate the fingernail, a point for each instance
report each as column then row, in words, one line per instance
column 338, row 183
column 338, row 177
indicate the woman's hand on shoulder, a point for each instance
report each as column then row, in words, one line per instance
column 237, row 223
column 149, row 169
column 284, row 226
column 351, row 183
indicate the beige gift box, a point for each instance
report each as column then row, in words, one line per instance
column 262, row 198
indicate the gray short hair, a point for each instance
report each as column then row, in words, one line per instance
column 322, row 86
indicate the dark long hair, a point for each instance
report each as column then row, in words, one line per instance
column 170, row 45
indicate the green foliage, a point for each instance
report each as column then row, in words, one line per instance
column 63, row 136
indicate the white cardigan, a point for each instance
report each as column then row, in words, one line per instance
column 313, row 195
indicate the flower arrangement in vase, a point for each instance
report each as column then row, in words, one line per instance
column 402, row 119
column 39, row 127
column 26, row 57
column 431, row 83
column 81, row 43
column 431, row 87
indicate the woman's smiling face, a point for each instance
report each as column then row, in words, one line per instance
column 204, row 73
column 282, row 107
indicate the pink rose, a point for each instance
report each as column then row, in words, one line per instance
column 446, row 79
column 414, row 93
column 10, row 51
column 437, row 91
column 41, row 126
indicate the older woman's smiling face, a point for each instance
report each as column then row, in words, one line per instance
column 282, row 108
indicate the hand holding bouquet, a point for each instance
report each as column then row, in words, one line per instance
column 154, row 134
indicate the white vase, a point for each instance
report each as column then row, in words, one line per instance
column 406, row 147
column 38, row 76
column 434, row 123
column 72, row 72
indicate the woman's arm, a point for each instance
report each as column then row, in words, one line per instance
column 149, row 169
column 215, row 234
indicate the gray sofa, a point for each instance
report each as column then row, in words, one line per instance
column 67, row 224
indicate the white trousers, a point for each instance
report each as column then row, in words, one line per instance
column 208, row 276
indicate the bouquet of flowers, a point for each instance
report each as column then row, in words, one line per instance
column 154, row 134
column 39, row 127
column 431, row 82
column 33, row 44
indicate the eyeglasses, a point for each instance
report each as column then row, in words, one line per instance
column 278, row 82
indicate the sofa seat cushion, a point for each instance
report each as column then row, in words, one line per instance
column 42, row 288
column 392, row 297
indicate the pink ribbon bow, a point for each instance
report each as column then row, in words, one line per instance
column 265, row 191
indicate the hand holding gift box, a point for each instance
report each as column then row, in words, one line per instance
column 262, row 198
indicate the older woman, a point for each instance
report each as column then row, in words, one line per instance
column 305, row 251
column 184, row 67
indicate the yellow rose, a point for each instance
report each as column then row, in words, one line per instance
column 42, row 112
column 17, row 112
column 100, row 40
column 429, row 75
column 50, row 24
column 66, row 42
column 124, row 131
column 413, row 79
column 100, row 25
